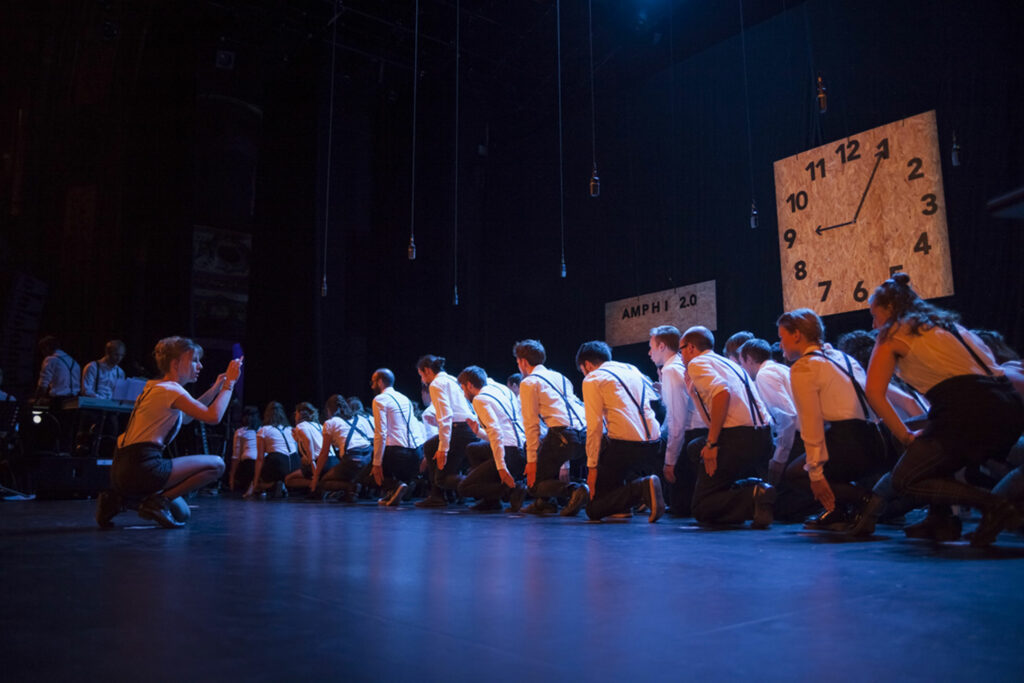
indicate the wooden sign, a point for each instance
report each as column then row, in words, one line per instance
column 854, row 211
column 629, row 321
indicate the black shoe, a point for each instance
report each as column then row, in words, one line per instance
column 540, row 507
column 764, row 505
column 837, row 520
column 487, row 506
column 108, row 504
column 1002, row 515
column 516, row 498
column 864, row 523
column 580, row 497
column 936, row 527
column 179, row 510
column 432, row 501
column 157, row 509
column 279, row 490
column 395, row 497
column 656, row 498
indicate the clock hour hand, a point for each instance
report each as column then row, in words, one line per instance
column 820, row 229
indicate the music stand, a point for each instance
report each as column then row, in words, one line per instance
column 9, row 412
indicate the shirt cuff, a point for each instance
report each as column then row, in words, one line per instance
column 815, row 472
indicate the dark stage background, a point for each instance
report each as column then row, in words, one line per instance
column 131, row 127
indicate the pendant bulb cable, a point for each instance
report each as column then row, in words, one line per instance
column 415, row 87
column 750, row 143
column 455, row 230
column 561, row 174
column 595, row 181
column 330, row 151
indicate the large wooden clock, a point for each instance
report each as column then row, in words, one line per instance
column 856, row 210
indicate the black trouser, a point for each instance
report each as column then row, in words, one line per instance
column 680, row 494
column 856, row 453
column 740, row 452
column 972, row 419
column 448, row 477
column 244, row 473
column 349, row 465
column 276, row 466
column 399, row 465
column 619, row 486
column 560, row 445
column 483, row 481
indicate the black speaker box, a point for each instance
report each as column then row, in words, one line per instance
column 64, row 477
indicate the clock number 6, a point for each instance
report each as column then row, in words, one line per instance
column 801, row 270
column 929, row 204
column 859, row 293
column 827, row 284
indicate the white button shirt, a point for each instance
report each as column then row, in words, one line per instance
column 450, row 406
column 617, row 396
column 98, row 379
column 336, row 431
column 773, row 386
column 680, row 413
column 60, row 375
column 541, row 396
column 498, row 413
column 244, row 444
column 823, row 393
column 277, row 439
column 709, row 374
column 395, row 423
column 310, row 439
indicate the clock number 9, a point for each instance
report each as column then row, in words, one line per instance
column 790, row 237
column 801, row 270
column 930, row 205
column 860, row 294
column 797, row 202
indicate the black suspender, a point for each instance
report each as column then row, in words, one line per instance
column 977, row 359
column 563, row 394
column 638, row 404
column 848, row 371
column 138, row 402
column 510, row 415
column 285, row 438
column 408, row 427
column 755, row 409
column 353, row 427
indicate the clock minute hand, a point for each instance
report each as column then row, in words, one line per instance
column 878, row 160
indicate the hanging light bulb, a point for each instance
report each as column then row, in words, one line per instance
column 753, row 215
column 412, row 249
column 955, row 151
column 563, row 267
column 595, row 184
column 455, row 296
column 822, row 96
column 323, row 286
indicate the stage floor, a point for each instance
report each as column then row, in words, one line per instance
column 293, row 590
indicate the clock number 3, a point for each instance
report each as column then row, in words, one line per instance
column 930, row 206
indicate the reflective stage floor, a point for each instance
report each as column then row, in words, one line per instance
column 292, row 590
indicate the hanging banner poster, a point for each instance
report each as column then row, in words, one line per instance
column 628, row 321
